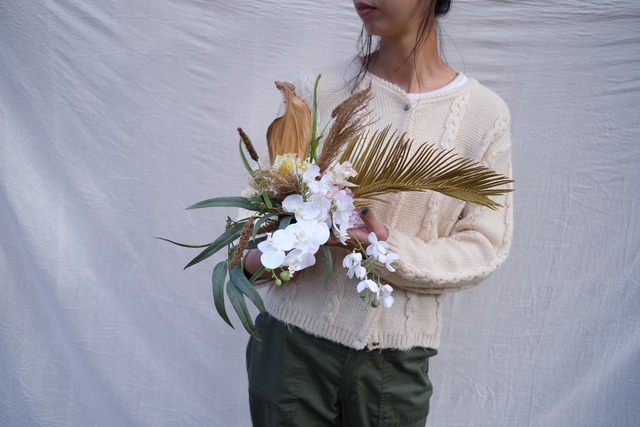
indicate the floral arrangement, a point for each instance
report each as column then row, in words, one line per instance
column 302, row 199
column 321, row 206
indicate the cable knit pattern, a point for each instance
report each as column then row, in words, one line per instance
column 430, row 218
column 453, row 122
column 333, row 306
column 445, row 245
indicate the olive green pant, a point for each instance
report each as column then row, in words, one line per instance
column 296, row 379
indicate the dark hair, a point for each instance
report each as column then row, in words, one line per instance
column 442, row 7
column 434, row 9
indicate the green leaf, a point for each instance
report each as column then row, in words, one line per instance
column 284, row 222
column 223, row 240
column 228, row 202
column 240, row 306
column 244, row 159
column 313, row 148
column 218, row 279
column 258, row 273
column 242, row 283
column 260, row 222
column 329, row 261
column 267, row 201
column 182, row 244
column 254, row 243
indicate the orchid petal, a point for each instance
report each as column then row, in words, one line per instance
column 272, row 259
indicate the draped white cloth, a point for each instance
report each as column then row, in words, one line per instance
column 116, row 115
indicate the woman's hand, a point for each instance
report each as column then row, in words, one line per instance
column 251, row 263
column 371, row 224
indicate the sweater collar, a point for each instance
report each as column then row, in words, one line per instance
column 401, row 95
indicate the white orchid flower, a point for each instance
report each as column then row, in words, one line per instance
column 273, row 249
column 295, row 204
column 384, row 295
column 309, row 235
column 298, row 260
column 376, row 248
column 341, row 173
column 344, row 207
column 323, row 205
column 311, row 174
column 368, row 284
column 319, row 186
column 353, row 262
column 342, row 232
column 388, row 259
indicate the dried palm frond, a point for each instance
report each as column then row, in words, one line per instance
column 349, row 122
column 385, row 164
column 290, row 133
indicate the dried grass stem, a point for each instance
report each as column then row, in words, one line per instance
column 350, row 117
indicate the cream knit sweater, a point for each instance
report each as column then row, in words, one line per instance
column 445, row 245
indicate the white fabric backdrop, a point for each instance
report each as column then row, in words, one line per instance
column 115, row 115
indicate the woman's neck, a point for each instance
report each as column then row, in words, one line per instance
column 415, row 72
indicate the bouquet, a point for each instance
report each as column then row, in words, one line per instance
column 306, row 196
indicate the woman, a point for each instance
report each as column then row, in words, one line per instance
column 325, row 359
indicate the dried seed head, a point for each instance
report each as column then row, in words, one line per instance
column 247, row 143
column 245, row 235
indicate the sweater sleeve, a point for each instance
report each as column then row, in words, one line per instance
column 477, row 245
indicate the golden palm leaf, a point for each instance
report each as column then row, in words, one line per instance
column 386, row 164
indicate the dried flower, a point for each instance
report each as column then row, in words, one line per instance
column 290, row 133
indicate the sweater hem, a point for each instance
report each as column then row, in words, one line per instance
column 319, row 328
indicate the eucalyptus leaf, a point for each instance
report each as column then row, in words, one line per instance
column 258, row 273
column 241, row 282
column 218, row 279
column 184, row 245
column 260, row 222
column 254, row 243
column 228, row 202
column 240, row 306
column 231, row 234
column 284, row 222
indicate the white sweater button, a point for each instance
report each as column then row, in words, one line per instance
column 406, row 107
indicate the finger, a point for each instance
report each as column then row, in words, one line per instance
column 360, row 234
column 333, row 241
column 373, row 223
